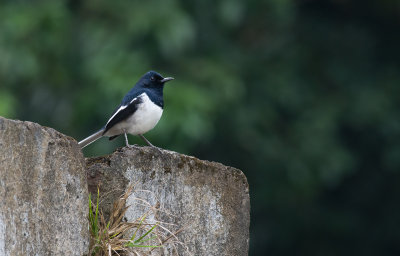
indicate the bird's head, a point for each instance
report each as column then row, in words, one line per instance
column 153, row 79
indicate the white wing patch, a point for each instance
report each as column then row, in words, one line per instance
column 140, row 96
column 122, row 108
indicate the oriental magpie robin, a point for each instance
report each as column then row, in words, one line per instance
column 139, row 111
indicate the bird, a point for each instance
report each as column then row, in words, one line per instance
column 139, row 111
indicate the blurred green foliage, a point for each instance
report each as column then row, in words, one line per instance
column 303, row 96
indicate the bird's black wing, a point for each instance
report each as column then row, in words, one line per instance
column 123, row 112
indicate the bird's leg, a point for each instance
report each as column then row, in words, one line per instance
column 148, row 142
column 127, row 142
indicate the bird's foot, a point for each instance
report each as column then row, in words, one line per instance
column 127, row 142
column 157, row 148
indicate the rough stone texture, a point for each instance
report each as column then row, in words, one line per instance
column 43, row 192
column 210, row 200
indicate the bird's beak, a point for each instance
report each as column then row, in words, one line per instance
column 167, row 79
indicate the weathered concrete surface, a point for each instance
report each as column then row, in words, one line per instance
column 43, row 192
column 209, row 200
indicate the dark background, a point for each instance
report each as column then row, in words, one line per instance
column 303, row 96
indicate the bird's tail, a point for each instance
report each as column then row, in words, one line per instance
column 83, row 143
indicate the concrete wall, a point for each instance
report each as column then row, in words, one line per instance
column 44, row 182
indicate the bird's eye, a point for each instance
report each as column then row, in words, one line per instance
column 152, row 78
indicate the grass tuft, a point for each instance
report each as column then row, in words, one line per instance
column 119, row 237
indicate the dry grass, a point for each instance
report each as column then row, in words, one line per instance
column 140, row 237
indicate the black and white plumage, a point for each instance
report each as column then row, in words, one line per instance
column 139, row 111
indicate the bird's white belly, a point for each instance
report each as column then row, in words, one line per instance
column 143, row 120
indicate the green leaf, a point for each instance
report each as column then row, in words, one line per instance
column 148, row 232
column 140, row 245
column 140, row 224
